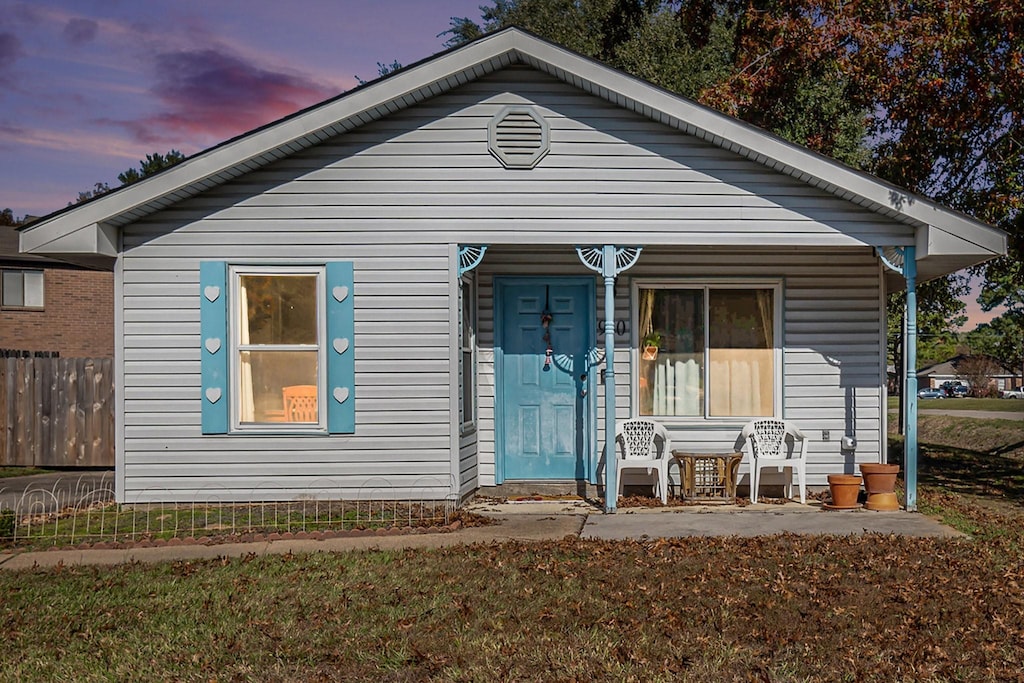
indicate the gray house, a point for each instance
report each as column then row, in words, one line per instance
column 393, row 294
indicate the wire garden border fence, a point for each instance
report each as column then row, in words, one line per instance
column 78, row 511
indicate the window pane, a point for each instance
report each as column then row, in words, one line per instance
column 278, row 309
column 13, row 284
column 742, row 361
column 671, row 334
column 277, row 386
column 34, row 288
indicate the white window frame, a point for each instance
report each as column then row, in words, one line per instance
column 235, row 274
column 22, row 272
column 467, row 344
column 706, row 284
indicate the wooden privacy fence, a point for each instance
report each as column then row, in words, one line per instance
column 58, row 412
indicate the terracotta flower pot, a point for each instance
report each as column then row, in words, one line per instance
column 844, row 489
column 879, row 477
column 880, row 483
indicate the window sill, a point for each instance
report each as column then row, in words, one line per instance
column 276, row 430
column 679, row 422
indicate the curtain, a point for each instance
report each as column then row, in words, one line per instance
column 646, row 313
column 764, row 308
column 246, row 401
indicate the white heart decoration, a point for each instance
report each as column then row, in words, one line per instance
column 340, row 293
column 212, row 344
column 341, row 344
column 341, row 394
column 213, row 394
column 211, row 293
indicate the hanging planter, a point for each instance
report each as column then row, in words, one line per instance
column 651, row 344
column 844, row 489
column 880, row 484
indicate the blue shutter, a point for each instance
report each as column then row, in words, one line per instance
column 213, row 330
column 341, row 365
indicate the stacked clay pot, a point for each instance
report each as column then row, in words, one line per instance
column 880, row 484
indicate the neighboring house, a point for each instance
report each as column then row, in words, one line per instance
column 52, row 308
column 339, row 253
column 1001, row 378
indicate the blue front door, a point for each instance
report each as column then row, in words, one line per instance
column 544, row 407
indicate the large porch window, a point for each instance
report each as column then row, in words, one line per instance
column 707, row 350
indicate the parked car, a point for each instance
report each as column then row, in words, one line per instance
column 955, row 389
column 1012, row 393
column 931, row 393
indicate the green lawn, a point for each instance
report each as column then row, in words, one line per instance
column 782, row 608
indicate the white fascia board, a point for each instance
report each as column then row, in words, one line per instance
column 92, row 238
column 41, row 236
column 934, row 241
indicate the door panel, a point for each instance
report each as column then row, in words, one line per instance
column 544, row 404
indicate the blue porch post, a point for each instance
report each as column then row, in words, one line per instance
column 609, row 261
column 910, row 400
column 903, row 260
column 611, row 486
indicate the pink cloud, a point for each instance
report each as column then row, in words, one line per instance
column 213, row 94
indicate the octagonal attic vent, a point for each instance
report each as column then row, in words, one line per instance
column 518, row 137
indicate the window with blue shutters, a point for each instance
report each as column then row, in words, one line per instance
column 277, row 348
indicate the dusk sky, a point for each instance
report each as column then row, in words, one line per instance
column 89, row 87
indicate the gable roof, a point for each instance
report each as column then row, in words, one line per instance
column 946, row 240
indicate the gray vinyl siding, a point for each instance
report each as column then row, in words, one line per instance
column 391, row 197
column 469, row 467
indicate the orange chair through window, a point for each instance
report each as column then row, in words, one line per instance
column 300, row 403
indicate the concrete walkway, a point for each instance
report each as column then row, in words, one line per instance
column 976, row 414
column 536, row 521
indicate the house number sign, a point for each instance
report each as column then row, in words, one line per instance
column 621, row 328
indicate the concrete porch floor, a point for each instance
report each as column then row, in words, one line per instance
column 759, row 519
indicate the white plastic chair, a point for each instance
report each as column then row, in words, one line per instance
column 638, row 438
column 768, row 448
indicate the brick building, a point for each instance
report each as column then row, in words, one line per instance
column 48, row 307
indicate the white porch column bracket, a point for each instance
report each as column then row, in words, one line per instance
column 609, row 261
column 470, row 256
column 903, row 260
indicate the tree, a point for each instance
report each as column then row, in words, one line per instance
column 977, row 371
column 152, row 164
column 7, row 218
column 382, row 70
